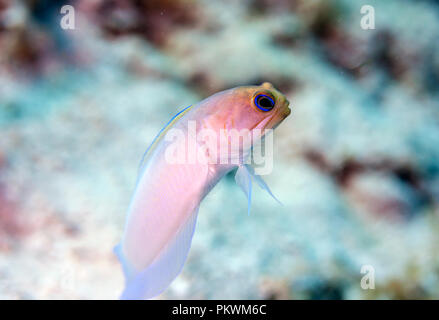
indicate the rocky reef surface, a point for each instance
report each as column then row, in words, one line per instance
column 356, row 164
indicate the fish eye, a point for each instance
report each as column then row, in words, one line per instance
column 264, row 102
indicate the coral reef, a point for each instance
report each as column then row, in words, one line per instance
column 356, row 164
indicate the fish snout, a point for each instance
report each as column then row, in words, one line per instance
column 286, row 110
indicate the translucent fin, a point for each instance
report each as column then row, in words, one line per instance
column 244, row 181
column 127, row 270
column 153, row 280
column 261, row 183
column 243, row 178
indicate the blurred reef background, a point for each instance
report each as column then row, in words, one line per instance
column 356, row 164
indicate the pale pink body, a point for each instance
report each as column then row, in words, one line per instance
column 162, row 214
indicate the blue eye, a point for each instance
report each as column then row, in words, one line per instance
column 264, row 102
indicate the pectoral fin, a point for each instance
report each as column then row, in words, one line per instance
column 262, row 183
column 243, row 178
column 244, row 181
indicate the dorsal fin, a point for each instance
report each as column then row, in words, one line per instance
column 157, row 138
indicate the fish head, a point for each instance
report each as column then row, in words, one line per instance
column 246, row 114
column 256, row 107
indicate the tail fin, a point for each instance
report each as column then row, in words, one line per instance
column 156, row 277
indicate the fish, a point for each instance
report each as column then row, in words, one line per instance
column 163, row 211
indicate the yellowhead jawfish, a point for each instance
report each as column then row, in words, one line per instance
column 184, row 162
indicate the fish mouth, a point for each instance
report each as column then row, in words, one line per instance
column 275, row 119
column 287, row 111
column 280, row 116
column 284, row 112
